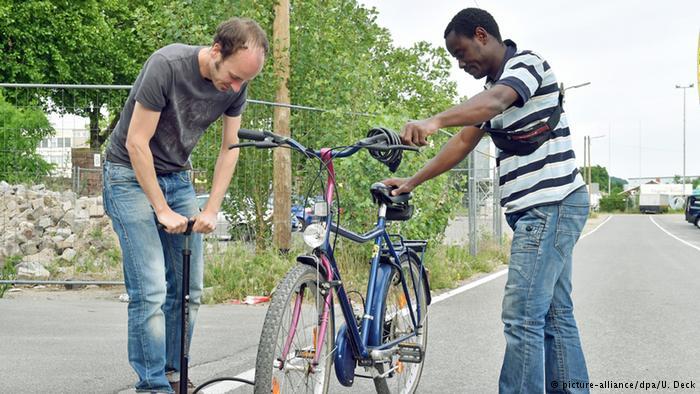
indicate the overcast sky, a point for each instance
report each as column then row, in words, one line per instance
column 634, row 54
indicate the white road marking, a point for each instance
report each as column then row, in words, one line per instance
column 667, row 232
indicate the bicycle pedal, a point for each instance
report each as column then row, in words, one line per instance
column 410, row 353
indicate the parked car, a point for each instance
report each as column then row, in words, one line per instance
column 692, row 210
column 223, row 222
column 243, row 220
column 301, row 217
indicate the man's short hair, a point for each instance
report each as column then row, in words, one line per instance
column 467, row 20
column 239, row 33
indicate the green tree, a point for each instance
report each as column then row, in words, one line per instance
column 600, row 175
column 22, row 130
column 617, row 184
column 74, row 42
column 341, row 60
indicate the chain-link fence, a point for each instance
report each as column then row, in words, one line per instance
column 52, row 140
column 479, row 218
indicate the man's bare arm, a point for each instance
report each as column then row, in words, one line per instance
column 223, row 172
column 141, row 130
column 454, row 151
column 478, row 109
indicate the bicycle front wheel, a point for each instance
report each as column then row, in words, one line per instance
column 402, row 377
column 290, row 337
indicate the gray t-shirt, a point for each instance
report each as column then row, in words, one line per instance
column 170, row 82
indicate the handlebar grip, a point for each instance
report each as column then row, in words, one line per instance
column 251, row 135
column 190, row 225
column 188, row 231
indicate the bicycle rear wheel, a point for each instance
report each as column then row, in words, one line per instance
column 295, row 372
column 404, row 376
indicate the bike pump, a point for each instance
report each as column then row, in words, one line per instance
column 185, row 307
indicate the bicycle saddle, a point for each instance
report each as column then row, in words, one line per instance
column 381, row 193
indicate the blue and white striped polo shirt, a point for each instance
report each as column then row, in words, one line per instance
column 548, row 174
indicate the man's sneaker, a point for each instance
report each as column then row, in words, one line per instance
column 176, row 387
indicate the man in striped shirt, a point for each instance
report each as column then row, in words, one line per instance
column 544, row 196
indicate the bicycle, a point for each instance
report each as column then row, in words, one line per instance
column 298, row 343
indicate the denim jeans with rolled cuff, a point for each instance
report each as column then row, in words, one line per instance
column 152, row 263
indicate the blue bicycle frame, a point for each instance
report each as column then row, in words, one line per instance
column 355, row 344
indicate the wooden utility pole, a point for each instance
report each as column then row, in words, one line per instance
column 282, row 163
column 586, row 174
column 590, row 178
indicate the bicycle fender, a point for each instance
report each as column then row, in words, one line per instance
column 424, row 273
column 312, row 261
column 376, row 326
column 344, row 360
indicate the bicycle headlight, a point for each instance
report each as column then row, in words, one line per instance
column 315, row 235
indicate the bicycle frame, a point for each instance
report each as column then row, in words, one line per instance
column 368, row 337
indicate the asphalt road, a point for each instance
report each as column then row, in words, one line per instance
column 635, row 288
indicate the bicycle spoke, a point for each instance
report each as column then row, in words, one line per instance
column 294, row 375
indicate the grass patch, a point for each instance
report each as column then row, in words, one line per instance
column 449, row 264
column 8, row 271
column 234, row 270
column 89, row 264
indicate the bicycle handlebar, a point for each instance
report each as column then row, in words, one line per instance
column 268, row 139
column 251, row 135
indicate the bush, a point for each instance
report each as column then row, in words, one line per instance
column 612, row 203
column 22, row 130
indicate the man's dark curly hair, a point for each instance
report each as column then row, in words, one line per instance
column 467, row 20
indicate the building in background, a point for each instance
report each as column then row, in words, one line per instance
column 71, row 132
column 635, row 182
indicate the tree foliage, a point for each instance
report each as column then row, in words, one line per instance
column 599, row 175
column 613, row 203
column 21, row 130
column 341, row 61
column 73, row 42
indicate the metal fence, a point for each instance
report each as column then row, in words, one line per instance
column 66, row 125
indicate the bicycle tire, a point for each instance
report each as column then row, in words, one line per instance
column 273, row 337
column 395, row 382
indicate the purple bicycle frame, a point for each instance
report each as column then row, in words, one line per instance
column 327, row 158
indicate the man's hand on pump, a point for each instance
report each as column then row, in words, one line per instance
column 204, row 222
column 173, row 222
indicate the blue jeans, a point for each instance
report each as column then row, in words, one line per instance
column 543, row 349
column 152, row 262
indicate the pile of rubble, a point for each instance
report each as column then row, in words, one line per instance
column 44, row 227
